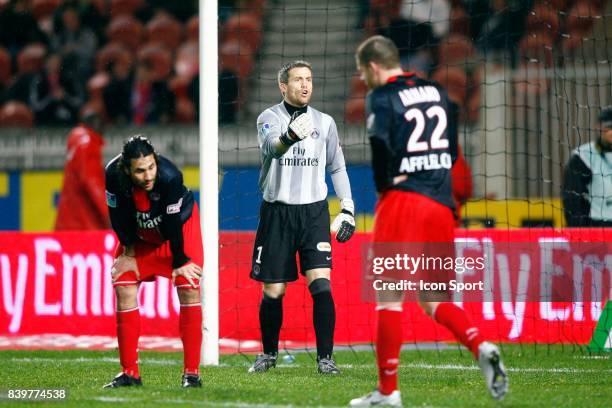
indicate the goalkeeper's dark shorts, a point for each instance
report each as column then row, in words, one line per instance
column 286, row 230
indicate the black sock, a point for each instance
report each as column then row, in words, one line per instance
column 270, row 322
column 324, row 319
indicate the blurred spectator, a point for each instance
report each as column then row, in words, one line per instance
column 182, row 10
column 414, row 42
column 138, row 98
column 434, row 12
column 55, row 95
column 504, row 25
column 76, row 43
column 118, row 93
column 89, row 16
column 478, row 13
column 225, row 9
column 82, row 202
column 587, row 185
column 229, row 89
column 18, row 27
column 20, row 88
column 228, row 96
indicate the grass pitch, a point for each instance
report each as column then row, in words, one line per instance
column 540, row 376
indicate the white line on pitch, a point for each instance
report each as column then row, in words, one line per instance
column 188, row 401
column 164, row 362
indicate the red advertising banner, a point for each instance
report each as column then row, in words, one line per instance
column 59, row 283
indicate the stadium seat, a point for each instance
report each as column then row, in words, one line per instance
column 165, row 30
column 354, row 111
column 31, row 58
column 193, row 29
column 542, row 18
column 454, row 80
column 559, row 5
column 97, row 83
column 537, row 48
column 455, row 50
column 185, row 111
column 44, row 8
column 111, row 53
column 16, row 114
column 236, row 57
column 128, row 7
column 460, row 23
column 159, row 57
column 389, row 8
column 358, row 87
column 5, row 66
column 573, row 40
column 125, row 30
column 582, row 15
column 101, row 6
column 245, row 28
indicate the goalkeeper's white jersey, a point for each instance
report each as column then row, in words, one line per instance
column 298, row 176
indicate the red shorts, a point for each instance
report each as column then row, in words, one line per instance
column 156, row 260
column 403, row 216
column 424, row 225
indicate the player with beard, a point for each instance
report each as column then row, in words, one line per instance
column 157, row 222
column 298, row 145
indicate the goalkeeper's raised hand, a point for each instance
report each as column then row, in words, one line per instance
column 300, row 127
column 344, row 223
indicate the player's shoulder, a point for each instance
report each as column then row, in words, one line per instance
column 379, row 99
column 320, row 116
column 167, row 170
column 586, row 152
column 111, row 167
column 112, row 175
column 270, row 114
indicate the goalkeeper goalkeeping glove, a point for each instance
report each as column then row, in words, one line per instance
column 300, row 127
column 344, row 223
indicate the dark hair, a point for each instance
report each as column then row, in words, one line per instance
column 283, row 72
column 380, row 50
column 135, row 147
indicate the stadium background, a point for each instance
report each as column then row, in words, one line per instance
column 528, row 93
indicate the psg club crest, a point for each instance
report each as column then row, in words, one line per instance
column 315, row 133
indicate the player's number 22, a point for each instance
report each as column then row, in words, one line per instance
column 437, row 142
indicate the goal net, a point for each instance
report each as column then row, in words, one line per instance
column 530, row 79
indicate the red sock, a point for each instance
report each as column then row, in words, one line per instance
column 458, row 322
column 128, row 332
column 190, row 324
column 388, row 344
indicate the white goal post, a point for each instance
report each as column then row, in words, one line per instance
column 209, row 181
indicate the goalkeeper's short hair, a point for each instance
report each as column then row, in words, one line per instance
column 283, row 72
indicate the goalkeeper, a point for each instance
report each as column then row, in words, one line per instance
column 298, row 143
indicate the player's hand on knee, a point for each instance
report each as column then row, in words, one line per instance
column 189, row 271
column 344, row 223
column 300, row 126
column 124, row 263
